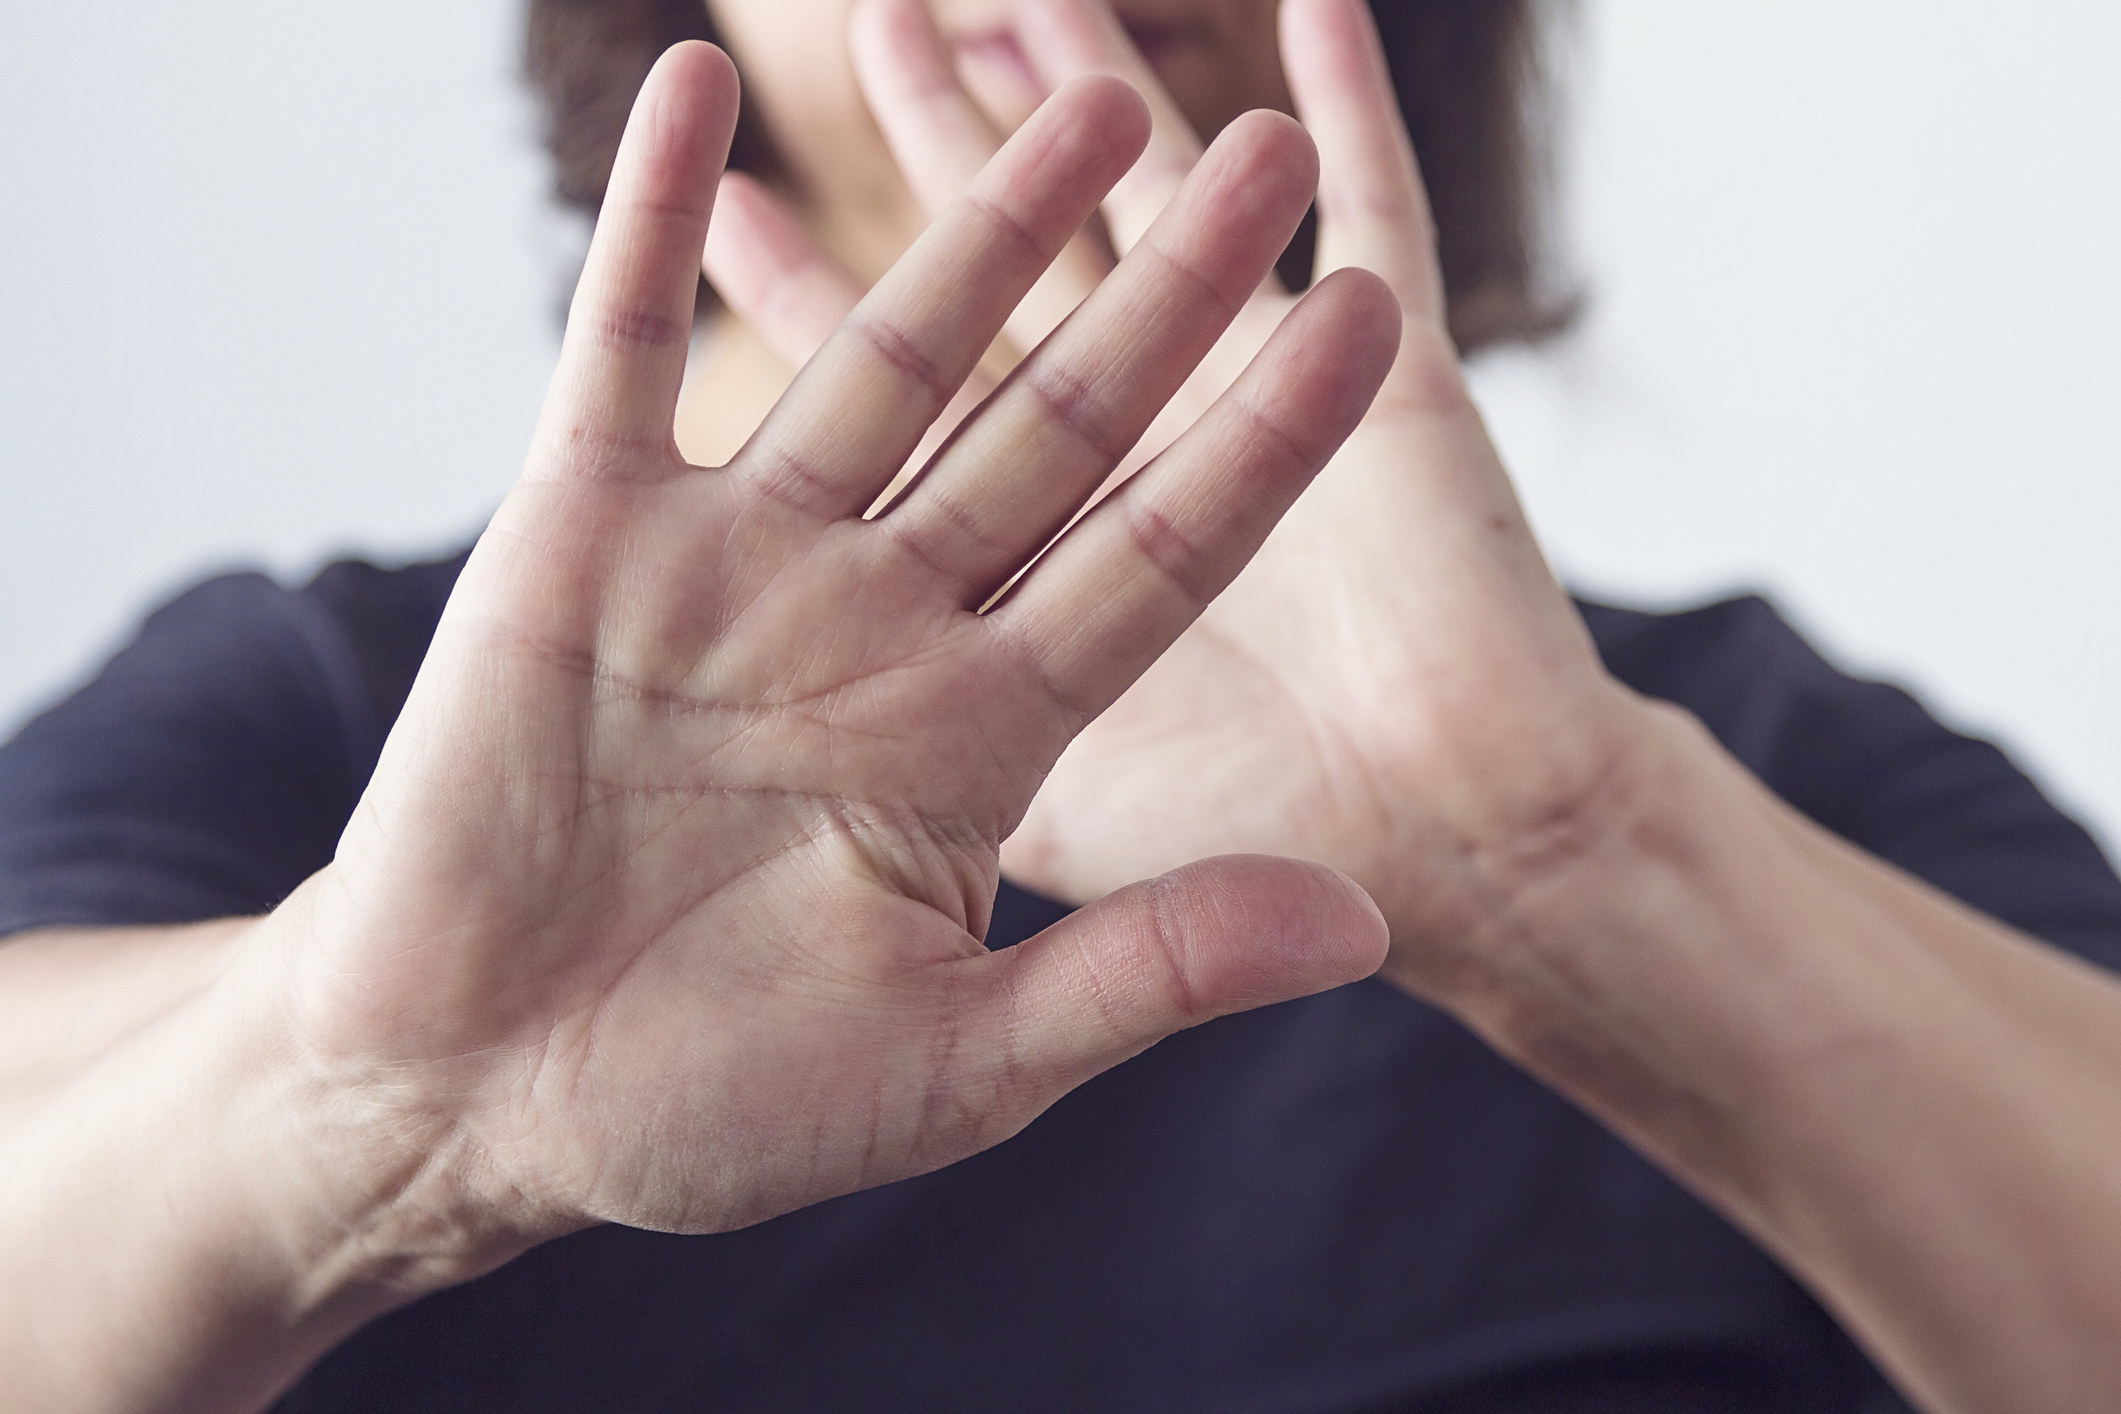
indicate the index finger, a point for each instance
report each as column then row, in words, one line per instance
column 941, row 138
column 936, row 132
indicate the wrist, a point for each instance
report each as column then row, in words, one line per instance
column 1687, row 958
column 1858, row 1070
column 1625, row 946
column 193, row 1218
column 1471, row 921
column 372, row 1181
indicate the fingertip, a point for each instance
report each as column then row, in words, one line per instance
column 705, row 70
column 1362, row 318
column 1365, row 936
column 1120, row 974
column 1363, row 307
column 682, row 121
column 1262, row 929
column 1097, row 124
column 1262, row 171
column 741, row 185
column 1113, row 106
column 1279, row 135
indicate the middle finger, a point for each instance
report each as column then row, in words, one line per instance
column 1074, row 407
column 860, row 406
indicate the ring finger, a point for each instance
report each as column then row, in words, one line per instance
column 1077, row 405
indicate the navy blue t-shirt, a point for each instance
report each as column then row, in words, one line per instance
column 1335, row 1205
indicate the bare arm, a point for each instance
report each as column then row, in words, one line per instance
column 1916, row 1109
column 186, row 1217
column 69, row 995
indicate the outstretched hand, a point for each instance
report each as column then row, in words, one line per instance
column 665, row 905
column 1396, row 686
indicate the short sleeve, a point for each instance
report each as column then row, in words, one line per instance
column 203, row 773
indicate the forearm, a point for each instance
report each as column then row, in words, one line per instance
column 191, row 1216
column 1918, row 1110
column 69, row 995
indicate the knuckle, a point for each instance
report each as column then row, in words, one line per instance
column 945, row 536
column 902, row 352
column 792, row 479
column 1028, row 654
column 1272, row 447
column 594, row 451
column 1196, row 285
column 1008, row 227
column 1164, row 951
column 1076, row 405
column 1174, row 554
column 638, row 329
column 1385, row 202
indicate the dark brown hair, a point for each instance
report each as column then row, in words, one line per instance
column 1472, row 77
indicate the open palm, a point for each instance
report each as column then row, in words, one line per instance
column 1395, row 685
column 665, row 903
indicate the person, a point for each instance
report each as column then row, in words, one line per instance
column 656, row 902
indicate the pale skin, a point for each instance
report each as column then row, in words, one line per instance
column 664, row 906
column 1913, row 1107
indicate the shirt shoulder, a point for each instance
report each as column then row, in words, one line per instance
column 1867, row 761
column 210, row 766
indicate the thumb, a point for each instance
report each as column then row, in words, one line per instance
column 1112, row 979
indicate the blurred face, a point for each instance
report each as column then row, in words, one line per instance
column 1217, row 57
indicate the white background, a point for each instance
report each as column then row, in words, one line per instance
column 278, row 280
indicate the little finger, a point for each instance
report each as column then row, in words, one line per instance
column 1372, row 209
column 1016, row 472
column 614, row 395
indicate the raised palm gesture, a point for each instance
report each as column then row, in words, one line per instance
column 1396, row 685
column 665, row 904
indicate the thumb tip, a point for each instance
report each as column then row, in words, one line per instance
column 1290, row 927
